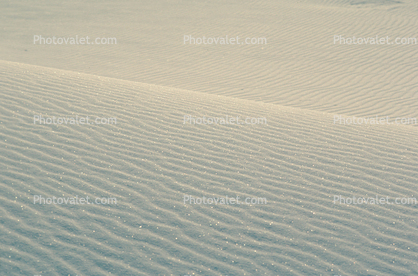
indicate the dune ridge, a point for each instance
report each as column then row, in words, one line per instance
column 149, row 160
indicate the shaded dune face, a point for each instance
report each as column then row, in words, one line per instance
column 150, row 160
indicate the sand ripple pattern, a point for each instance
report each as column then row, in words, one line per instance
column 149, row 160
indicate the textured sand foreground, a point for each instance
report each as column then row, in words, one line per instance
column 149, row 160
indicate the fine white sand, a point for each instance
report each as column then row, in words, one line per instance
column 150, row 160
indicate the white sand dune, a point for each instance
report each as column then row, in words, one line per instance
column 300, row 65
column 149, row 160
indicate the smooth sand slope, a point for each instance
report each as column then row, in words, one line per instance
column 300, row 65
column 149, row 160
